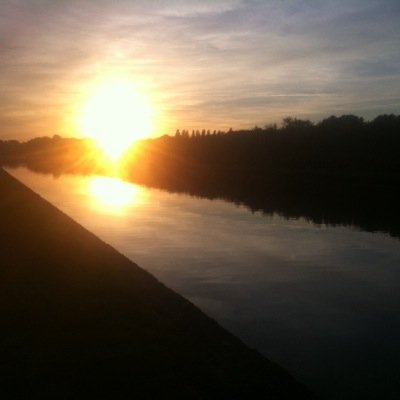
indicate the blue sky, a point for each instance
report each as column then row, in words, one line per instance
column 204, row 64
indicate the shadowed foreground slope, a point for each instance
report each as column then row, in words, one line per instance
column 78, row 318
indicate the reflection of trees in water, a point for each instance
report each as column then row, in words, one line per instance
column 341, row 171
column 335, row 203
column 331, row 203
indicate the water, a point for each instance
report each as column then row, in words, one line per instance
column 320, row 301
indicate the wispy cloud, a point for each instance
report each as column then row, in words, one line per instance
column 209, row 63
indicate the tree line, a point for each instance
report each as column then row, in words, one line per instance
column 341, row 170
column 345, row 147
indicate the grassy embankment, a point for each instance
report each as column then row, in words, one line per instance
column 79, row 319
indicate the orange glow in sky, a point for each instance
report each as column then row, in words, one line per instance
column 195, row 64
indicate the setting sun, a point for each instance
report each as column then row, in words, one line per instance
column 116, row 115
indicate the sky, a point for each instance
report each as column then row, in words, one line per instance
column 201, row 64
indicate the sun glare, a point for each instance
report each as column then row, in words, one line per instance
column 116, row 115
column 113, row 195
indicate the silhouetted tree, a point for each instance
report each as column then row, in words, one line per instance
column 290, row 123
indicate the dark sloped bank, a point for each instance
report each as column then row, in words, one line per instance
column 80, row 319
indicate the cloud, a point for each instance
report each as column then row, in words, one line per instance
column 215, row 63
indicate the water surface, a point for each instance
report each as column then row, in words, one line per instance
column 321, row 301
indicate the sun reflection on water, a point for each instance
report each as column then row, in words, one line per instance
column 112, row 195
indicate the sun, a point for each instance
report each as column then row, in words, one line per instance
column 116, row 115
